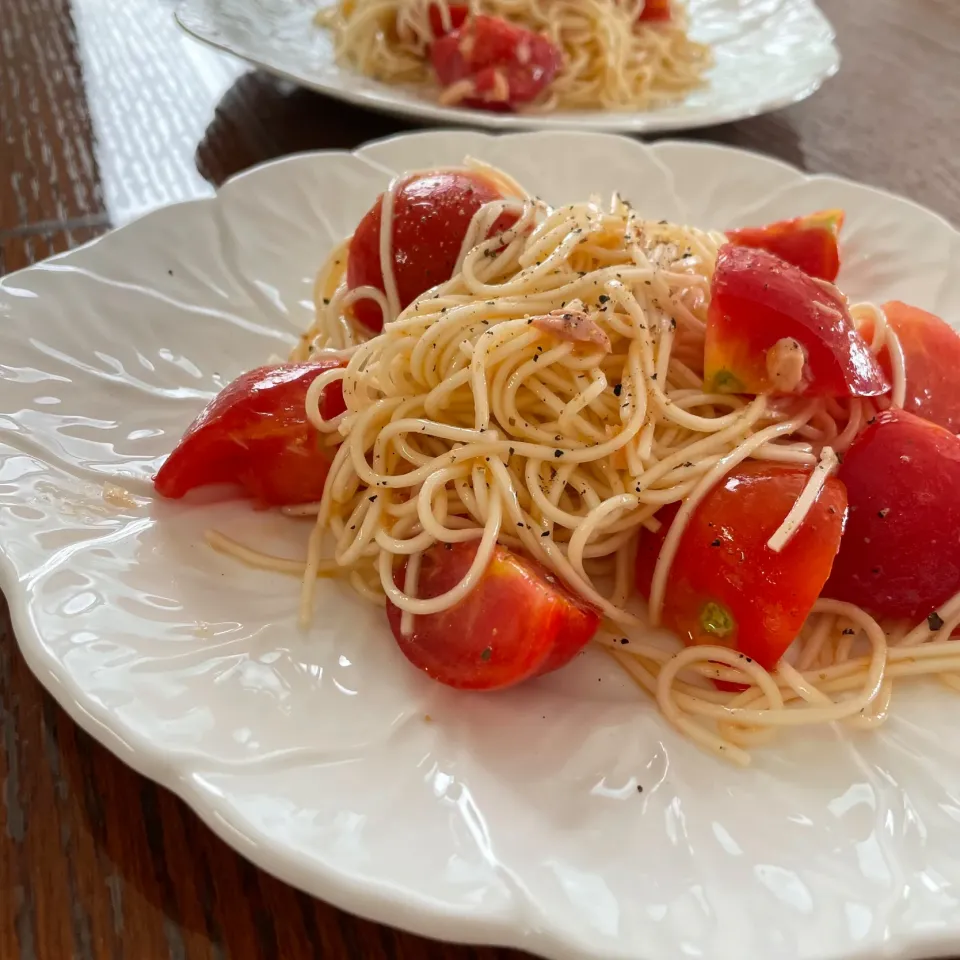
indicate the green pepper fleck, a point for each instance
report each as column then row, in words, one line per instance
column 726, row 382
column 717, row 620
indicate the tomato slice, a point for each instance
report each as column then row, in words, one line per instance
column 655, row 11
column 771, row 328
column 255, row 433
column 900, row 555
column 458, row 14
column 508, row 65
column 519, row 621
column 431, row 215
column 726, row 586
column 810, row 242
column 931, row 353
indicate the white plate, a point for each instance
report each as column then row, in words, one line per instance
column 512, row 818
column 768, row 53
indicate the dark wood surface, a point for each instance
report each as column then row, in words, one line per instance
column 106, row 110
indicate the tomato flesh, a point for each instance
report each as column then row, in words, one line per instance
column 810, row 242
column 931, row 353
column 759, row 301
column 655, row 11
column 507, row 64
column 726, row 586
column 430, row 219
column 900, row 555
column 255, row 434
column 458, row 15
column 518, row 622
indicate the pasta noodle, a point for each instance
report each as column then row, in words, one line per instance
column 609, row 60
column 468, row 419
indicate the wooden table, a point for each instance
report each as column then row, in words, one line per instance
column 106, row 110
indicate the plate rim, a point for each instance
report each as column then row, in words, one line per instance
column 643, row 122
column 402, row 909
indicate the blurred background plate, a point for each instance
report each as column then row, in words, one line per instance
column 768, row 53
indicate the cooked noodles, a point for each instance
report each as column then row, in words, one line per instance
column 610, row 61
column 470, row 418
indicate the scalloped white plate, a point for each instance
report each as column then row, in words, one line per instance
column 514, row 818
column 768, row 54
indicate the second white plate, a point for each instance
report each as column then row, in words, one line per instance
column 768, row 54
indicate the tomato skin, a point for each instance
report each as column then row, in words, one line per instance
column 519, row 622
column 485, row 46
column 931, row 353
column 458, row 15
column 809, row 242
column 431, row 215
column 255, row 433
column 757, row 300
column 655, row 11
column 725, row 575
column 900, row 555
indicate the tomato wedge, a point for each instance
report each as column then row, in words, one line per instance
column 458, row 13
column 255, row 433
column 773, row 329
column 726, row 586
column 931, row 353
column 506, row 65
column 430, row 219
column 810, row 242
column 519, row 621
column 655, row 11
column 900, row 555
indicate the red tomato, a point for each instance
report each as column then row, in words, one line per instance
column 519, row 621
column 431, row 215
column 507, row 64
column 255, row 433
column 931, row 351
column 655, row 11
column 758, row 303
column 458, row 14
column 900, row 555
column 809, row 242
column 726, row 586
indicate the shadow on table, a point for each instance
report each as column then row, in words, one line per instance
column 772, row 134
column 261, row 117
